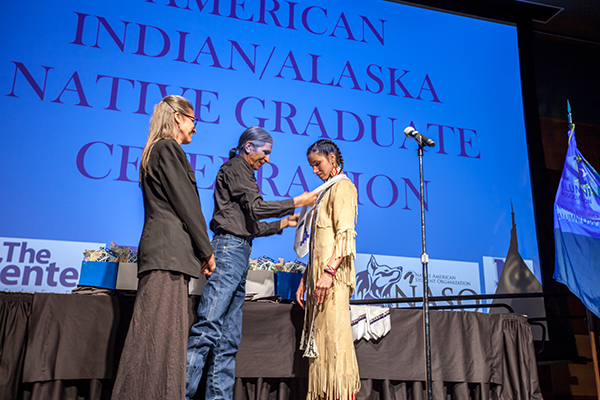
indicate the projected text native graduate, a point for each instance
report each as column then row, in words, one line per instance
column 236, row 222
column 174, row 247
column 329, row 281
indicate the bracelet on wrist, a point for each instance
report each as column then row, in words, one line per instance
column 330, row 270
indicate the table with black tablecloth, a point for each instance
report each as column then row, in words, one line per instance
column 60, row 347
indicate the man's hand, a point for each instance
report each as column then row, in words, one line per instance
column 290, row 221
column 305, row 199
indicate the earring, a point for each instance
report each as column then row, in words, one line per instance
column 334, row 171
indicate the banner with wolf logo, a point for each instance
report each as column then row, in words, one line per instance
column 382, row 276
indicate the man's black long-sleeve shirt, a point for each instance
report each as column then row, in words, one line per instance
column 239, row 207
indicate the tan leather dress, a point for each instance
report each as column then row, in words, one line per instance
column 327, row 336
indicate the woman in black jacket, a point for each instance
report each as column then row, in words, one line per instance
column 174, row 247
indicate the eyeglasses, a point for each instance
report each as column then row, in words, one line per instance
column 194, row 119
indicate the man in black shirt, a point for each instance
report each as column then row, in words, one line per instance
column 239, row 207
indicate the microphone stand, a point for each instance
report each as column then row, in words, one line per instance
column 425, row 261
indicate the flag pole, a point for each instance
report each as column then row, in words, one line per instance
column 569, row 115
column 592, row 330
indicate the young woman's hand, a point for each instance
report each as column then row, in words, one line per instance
column 300, row 292
column 322, row 288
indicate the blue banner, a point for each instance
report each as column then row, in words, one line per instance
column 577, row 228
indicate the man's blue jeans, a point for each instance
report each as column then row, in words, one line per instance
column 215, row 338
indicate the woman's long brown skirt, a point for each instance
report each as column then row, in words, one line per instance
column 152, row 366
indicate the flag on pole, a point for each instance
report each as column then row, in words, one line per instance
column 577, row 228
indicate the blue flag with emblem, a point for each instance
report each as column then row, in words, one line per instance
column 577, row 228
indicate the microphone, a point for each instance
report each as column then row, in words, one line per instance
column 421, row 139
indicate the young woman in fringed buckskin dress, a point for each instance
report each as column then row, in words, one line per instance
column 329, row 281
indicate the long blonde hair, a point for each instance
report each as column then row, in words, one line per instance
column 162, row 125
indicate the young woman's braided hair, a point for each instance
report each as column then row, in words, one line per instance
column 325, row 146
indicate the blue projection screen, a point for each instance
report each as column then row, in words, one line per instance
column 79, row 81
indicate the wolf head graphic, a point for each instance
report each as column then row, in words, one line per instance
column 377, row 281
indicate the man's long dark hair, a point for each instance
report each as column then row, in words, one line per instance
column 255, row 135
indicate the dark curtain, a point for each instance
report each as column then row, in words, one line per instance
column 67, row 347
column 15, row 309
column 520, row 369
column 371, row 389
column 79, row 389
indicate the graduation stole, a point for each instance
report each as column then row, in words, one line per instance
column 308, row 217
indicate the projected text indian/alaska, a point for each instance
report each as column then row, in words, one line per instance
column 264, row 61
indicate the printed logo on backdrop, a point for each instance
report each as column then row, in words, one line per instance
column 386, row 277
column 32, row 265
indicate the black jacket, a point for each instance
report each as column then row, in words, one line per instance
column 174, row 236
column 239, row 207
